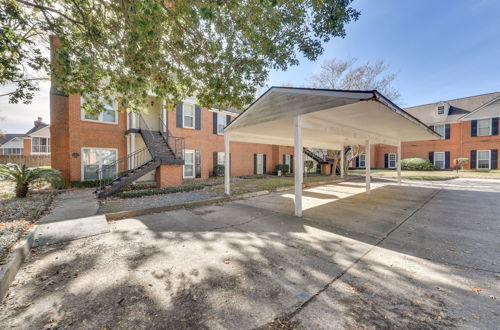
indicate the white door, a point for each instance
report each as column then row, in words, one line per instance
column 260, row 164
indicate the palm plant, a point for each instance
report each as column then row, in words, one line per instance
column 23, row 176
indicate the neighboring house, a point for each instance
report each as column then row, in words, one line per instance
column 34, row 142
column 469, row 127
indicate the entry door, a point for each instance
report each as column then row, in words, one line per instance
column 260, row 164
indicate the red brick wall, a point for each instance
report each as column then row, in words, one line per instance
column 27, row 147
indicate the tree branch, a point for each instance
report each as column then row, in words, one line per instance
column 41, row 7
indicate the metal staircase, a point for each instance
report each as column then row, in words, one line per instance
column 161, row 149
column 320, row 158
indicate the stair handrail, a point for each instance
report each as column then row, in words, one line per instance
column 110, row 172
column 176, row 144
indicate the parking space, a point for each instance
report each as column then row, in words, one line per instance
column 424, row 254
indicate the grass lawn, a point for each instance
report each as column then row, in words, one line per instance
column 431, row 175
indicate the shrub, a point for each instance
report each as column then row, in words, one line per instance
column 461, row 162
column 417, row 164
column 159, row 191
column 219, row 170
column 65, row 184
column 284, row 168
column 24, row 177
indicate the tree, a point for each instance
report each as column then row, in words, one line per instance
column 23, row 176
column 218, row 51
column 339, row 74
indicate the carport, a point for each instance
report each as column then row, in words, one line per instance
column 326, row 119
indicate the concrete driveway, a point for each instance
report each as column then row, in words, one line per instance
column 420, row 255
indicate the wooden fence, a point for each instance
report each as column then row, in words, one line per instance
column 31, row 161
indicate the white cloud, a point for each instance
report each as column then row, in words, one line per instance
column 19, row 118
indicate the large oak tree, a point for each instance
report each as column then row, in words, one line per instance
column 219, row 51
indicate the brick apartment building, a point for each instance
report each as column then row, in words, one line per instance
column 469, row 127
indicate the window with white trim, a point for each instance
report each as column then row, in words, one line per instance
column 95, row 159
column 483, row 159
column 40, row 145
column 221, row 123
column 439, row 160
column 362, row 162
column 220, row 158
column 13, row 151
column 392, row 161
column 260, row 163
column 188, row 112
column 484, row 127
column 441, row 130
column 288, row 161
column 188, row 168
column 109, row 115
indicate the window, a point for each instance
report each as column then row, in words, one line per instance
column 40, row 145
column 288, row 161
column 188, row 115
column 440, row 111
column 220, row 158
column 483, row 159
column 221, row 123
column 188, row 168
column 107, row 116
column 95, row 159
column 441, row 130
column 392, row 160
column 484, row 127
column 362, row 162
column 13, row 151
column 439, row 160
column 260, row 164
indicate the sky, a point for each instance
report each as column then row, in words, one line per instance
column 440, row 50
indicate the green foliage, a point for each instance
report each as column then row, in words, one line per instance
column 57, row 183
column 219, row 170
column 23, row 176
column 461, row 162
column 308, row 165
column 159, row 191
column 284, row 168
column 416, row 164
column 220, row 51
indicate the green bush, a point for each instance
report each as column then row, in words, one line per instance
column 461, row 162
column 284, row 168
column 219, row 170
column 417, row 164
column 158, row 191
column 65, row 184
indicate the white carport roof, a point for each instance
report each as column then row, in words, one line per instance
column 329, row 119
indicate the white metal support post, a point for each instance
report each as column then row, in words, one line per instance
column 342, row 162
column 227, row 170
column 299, row 165
column 368, row 166
column 399, row 162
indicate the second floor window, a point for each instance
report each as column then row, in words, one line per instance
column 221, row 123
column 440, row 111
column 484, row 127
column 109, row 114
column 40, row 145
column 440, row 129
column 188, row 115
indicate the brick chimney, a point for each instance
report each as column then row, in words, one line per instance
column 38, row 121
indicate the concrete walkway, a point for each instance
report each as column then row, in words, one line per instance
column 72, row 217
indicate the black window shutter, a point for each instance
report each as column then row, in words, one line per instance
column 215, row 159
column 494, row 159
column 494, row 126
column 178, row 115
column 447, row 131
column 254, row 163
column 386, row 160
column 357, row 162
column 197, row 162
column 228, row 120
column 473, row 128
column 284, row 158
column 215, row 122
column 447, row 159
column 431, row 157
column 291, row 163
column 197, row 115
column 264, row 164
column 473, row 159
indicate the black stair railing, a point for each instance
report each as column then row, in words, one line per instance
column 176, row 144
column 109, row 172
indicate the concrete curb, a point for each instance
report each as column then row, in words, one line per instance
column 134, row 213
column 15, row 260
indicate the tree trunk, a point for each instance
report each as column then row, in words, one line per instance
column 335, row 164
column 22, row 190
